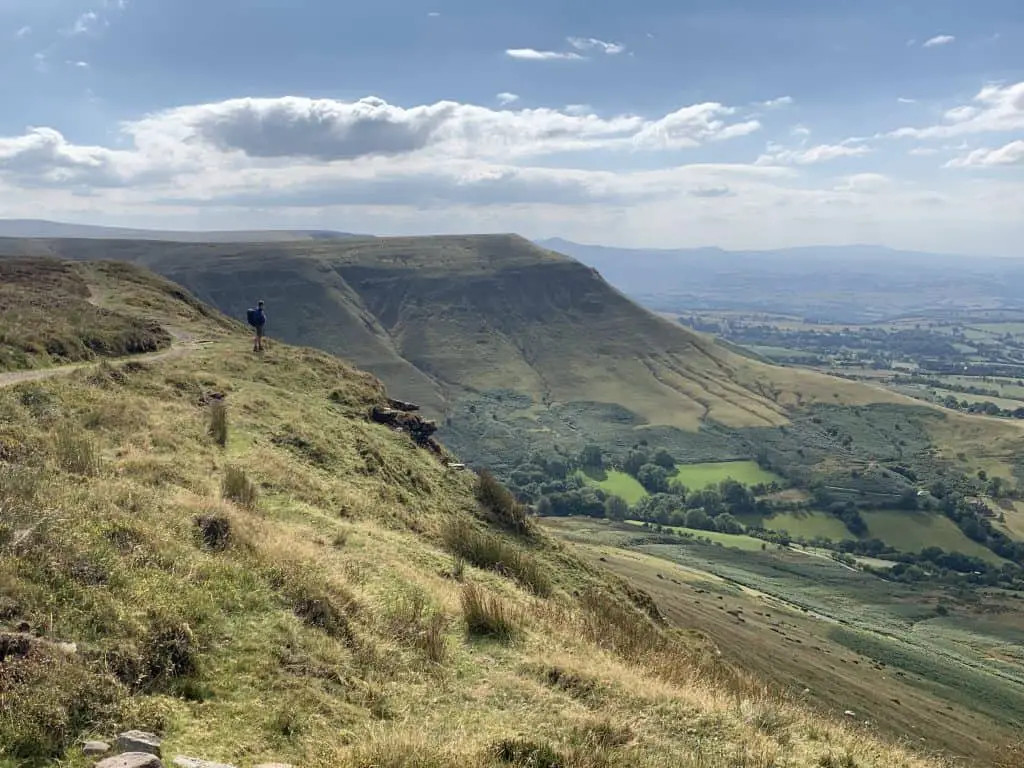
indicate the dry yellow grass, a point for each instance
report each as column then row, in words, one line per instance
column 305, row 627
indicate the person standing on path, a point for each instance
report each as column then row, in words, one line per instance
column 258, row 319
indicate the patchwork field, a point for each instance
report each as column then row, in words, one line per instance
column 913, row 531
column 618, row 484
column 837, row 638
column 697, row 476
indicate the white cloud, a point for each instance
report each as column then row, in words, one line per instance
column 78, row 64
column 800, row 130
column 938, row 40
column 591, row 43
column 923, row 151
column 43, row 157
column 505, row 98
column 453, row 167
column 1011, row 154
column 781, row 101
column 904, row 100
column 996, row 108
column 865, row 183
column 23, row 32
column 531, row 54
column 329, row 131
column 822, row 153
column 85, row 23
column 433, row 14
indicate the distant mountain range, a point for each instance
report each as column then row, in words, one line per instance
column 38, row 228
column 852, row 283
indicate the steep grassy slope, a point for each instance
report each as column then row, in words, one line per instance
column 441, row 317
column 249, row 566
column 47, row 316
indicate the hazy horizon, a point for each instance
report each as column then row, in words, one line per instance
column 742, row 124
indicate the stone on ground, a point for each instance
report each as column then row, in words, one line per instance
column 131, row 760
column 93, row 748
column 138, row 741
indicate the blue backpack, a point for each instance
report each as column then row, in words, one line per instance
column 254, row 318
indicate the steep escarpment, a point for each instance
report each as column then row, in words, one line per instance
column 227, row 550
column 511, row 346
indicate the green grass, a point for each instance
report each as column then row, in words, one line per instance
column 697, row 476
column 913, row 531
column 47, row 318
column 618, row 484
column 808, row 525
column 737, row 541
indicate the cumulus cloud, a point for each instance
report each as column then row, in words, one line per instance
column 691, row 126
column 1011, row 154
column 78, row 64
column 710, row 192
column 23, row 32
column 591, row 43
column 85, row 23
column 822, row 153
column 904, row 100
column 781, row 101
column 996, row 108
column 43, row 157
column 532, row 54
column 329, row 131
column 923, row 151
column 505, row 98
column 938, row 40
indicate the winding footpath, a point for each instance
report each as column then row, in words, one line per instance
column 182, row 345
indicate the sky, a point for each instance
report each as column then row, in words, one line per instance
column 649, row 123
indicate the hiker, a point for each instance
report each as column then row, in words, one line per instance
column 257, row 319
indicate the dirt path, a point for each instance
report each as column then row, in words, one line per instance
column 183, row 344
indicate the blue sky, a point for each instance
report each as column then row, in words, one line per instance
column 740, row 123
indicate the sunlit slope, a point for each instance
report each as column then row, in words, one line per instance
column 281, row 585
column 442, row 316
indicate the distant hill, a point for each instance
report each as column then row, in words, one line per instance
column 226, row 550
column 37, row 228
column 461, row 324
column 855, row 283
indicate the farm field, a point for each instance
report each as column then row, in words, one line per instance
column 807, row 525
column 697, row 476
column 617, row 483
column 838, row 638
column 738, row 541
column 913, row 531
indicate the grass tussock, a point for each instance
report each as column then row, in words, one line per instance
column 411, row 619
column 489, row 615
column 493, row 552
column 503, row 505
column 218, row 426
column 76, row 453
column 237, row 487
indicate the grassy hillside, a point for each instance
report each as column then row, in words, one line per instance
column 448, row 320
column 224, row 549
column 834, row 636
column 48, row 316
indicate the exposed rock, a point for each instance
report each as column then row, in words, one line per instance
column 138, row 741
column 17, row 646
column 850, row 713
column 195, row 762
column 401, row 405
column 131, row 760
column 419, row 429
column 94, row 748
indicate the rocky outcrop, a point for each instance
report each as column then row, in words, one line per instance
column 131, row 760
column 138, row 741
column 418, row 428
column 95, row 748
